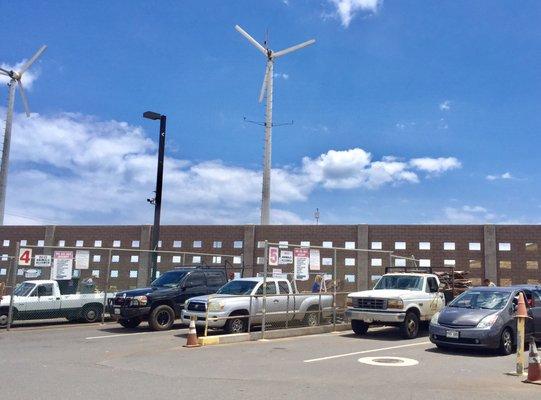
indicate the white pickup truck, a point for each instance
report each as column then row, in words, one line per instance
column 401, row 299
column 240, row 302
column 42, row 299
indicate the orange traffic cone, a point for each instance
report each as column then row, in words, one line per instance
column 534, row 364
column 521, row 307
column 192, row 335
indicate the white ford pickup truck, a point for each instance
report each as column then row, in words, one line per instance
column 401, row 299
column 42, row 299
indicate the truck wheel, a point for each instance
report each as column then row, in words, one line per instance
column 312, row 317
column 359, row 327
column 238, row 324
column 91, row 313
column 3, row 318
column 410, row 326
column 506, row 342
column 130, row 323
column 161, row 318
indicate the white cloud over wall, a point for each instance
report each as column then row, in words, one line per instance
column 72, row 168
column 347, row 9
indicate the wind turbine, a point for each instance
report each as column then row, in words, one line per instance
column 15, row 79
column 266, row 88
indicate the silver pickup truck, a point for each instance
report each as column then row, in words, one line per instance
column 240, row 302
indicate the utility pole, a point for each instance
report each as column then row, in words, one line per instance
column 157, row 200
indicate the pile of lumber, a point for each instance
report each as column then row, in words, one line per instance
column 455, row 281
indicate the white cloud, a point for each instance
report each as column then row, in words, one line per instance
column 72, row 168
column 283, row 76
column 28, row 78
column 445, row 105
column 435, row 166
column 468, row 215
column 347, row 9
column 506, row 175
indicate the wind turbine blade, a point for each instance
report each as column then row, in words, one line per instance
column 4, row 71
column 32, row 60
column 293, row 48
column 265, row 83
column 25, row 100
column 251, row 39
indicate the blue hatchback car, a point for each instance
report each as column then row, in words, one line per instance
column 483, row 317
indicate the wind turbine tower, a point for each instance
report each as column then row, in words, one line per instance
column 15, row 79
column 266, row 89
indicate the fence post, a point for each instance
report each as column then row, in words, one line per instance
column 207, row 315
column 250, row 315
column 14, row 266
column 334, row 292
column 264, row 318
column 105, row 290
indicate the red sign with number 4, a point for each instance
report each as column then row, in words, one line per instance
column 25, row 256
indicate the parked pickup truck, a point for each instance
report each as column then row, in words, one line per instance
column 242, row 300
column 161, row 303
column 401, row 299
column 42, row 299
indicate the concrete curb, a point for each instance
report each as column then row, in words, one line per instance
column 277, row 334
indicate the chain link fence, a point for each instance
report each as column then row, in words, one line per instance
column 47, row 283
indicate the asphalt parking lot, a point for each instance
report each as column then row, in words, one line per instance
column 105, row 361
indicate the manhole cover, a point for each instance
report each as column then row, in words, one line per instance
column 389, row 361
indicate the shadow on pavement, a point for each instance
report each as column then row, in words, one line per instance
column 458, row 352
column 389, row 333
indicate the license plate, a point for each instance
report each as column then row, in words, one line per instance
column 452, row 334
column 117, row 311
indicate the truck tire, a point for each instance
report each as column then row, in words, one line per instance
column 91, row 313
column 161, row 318
column 130, row 323
column 359, row 327
column 312, row 317
column 236, row 324
column 3, row 317
column 410, row 326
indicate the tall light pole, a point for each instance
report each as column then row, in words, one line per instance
column 157, row 200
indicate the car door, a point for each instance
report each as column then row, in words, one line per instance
column 535, row 311
column 195, row 285
column 272, row 303
column 45, row 304
column 435, row 299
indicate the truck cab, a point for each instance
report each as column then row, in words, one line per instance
column 402, row 299
column 162, row 302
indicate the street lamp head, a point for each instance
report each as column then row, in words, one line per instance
column 151, row 115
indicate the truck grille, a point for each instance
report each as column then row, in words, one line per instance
column 370, row 304
column 121, row 301
column 197, row 306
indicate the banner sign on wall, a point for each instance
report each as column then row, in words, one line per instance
column 273, row 256
column 315, row 264
column 286, row 257
column 82, row 259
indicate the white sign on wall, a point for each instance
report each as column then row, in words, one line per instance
column 315, row 264
column 273, row 256
column 286, row 257
column 82, row 259
column 42, row 261
column 301, row 263
column 62, row 265
column 25, row 256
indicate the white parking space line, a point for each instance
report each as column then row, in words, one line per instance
column 124, row 335
column 364, row 352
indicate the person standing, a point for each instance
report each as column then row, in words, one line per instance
column 488, row 282
column 316, row 287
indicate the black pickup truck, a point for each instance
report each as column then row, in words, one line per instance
column 162, row 302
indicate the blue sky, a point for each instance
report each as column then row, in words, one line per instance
column 405, row 112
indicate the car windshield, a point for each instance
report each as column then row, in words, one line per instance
column 170, row 279
column 486, row 299
column 237, row 287
column 403, row 282
column 24, row 289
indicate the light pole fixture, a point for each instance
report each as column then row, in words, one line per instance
column 157, row 200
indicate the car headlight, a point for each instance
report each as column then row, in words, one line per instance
column 435, row 317
column 216, row 305
column 488, row 321
column 395, row 303
column 139, row 301
column 349, row 302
